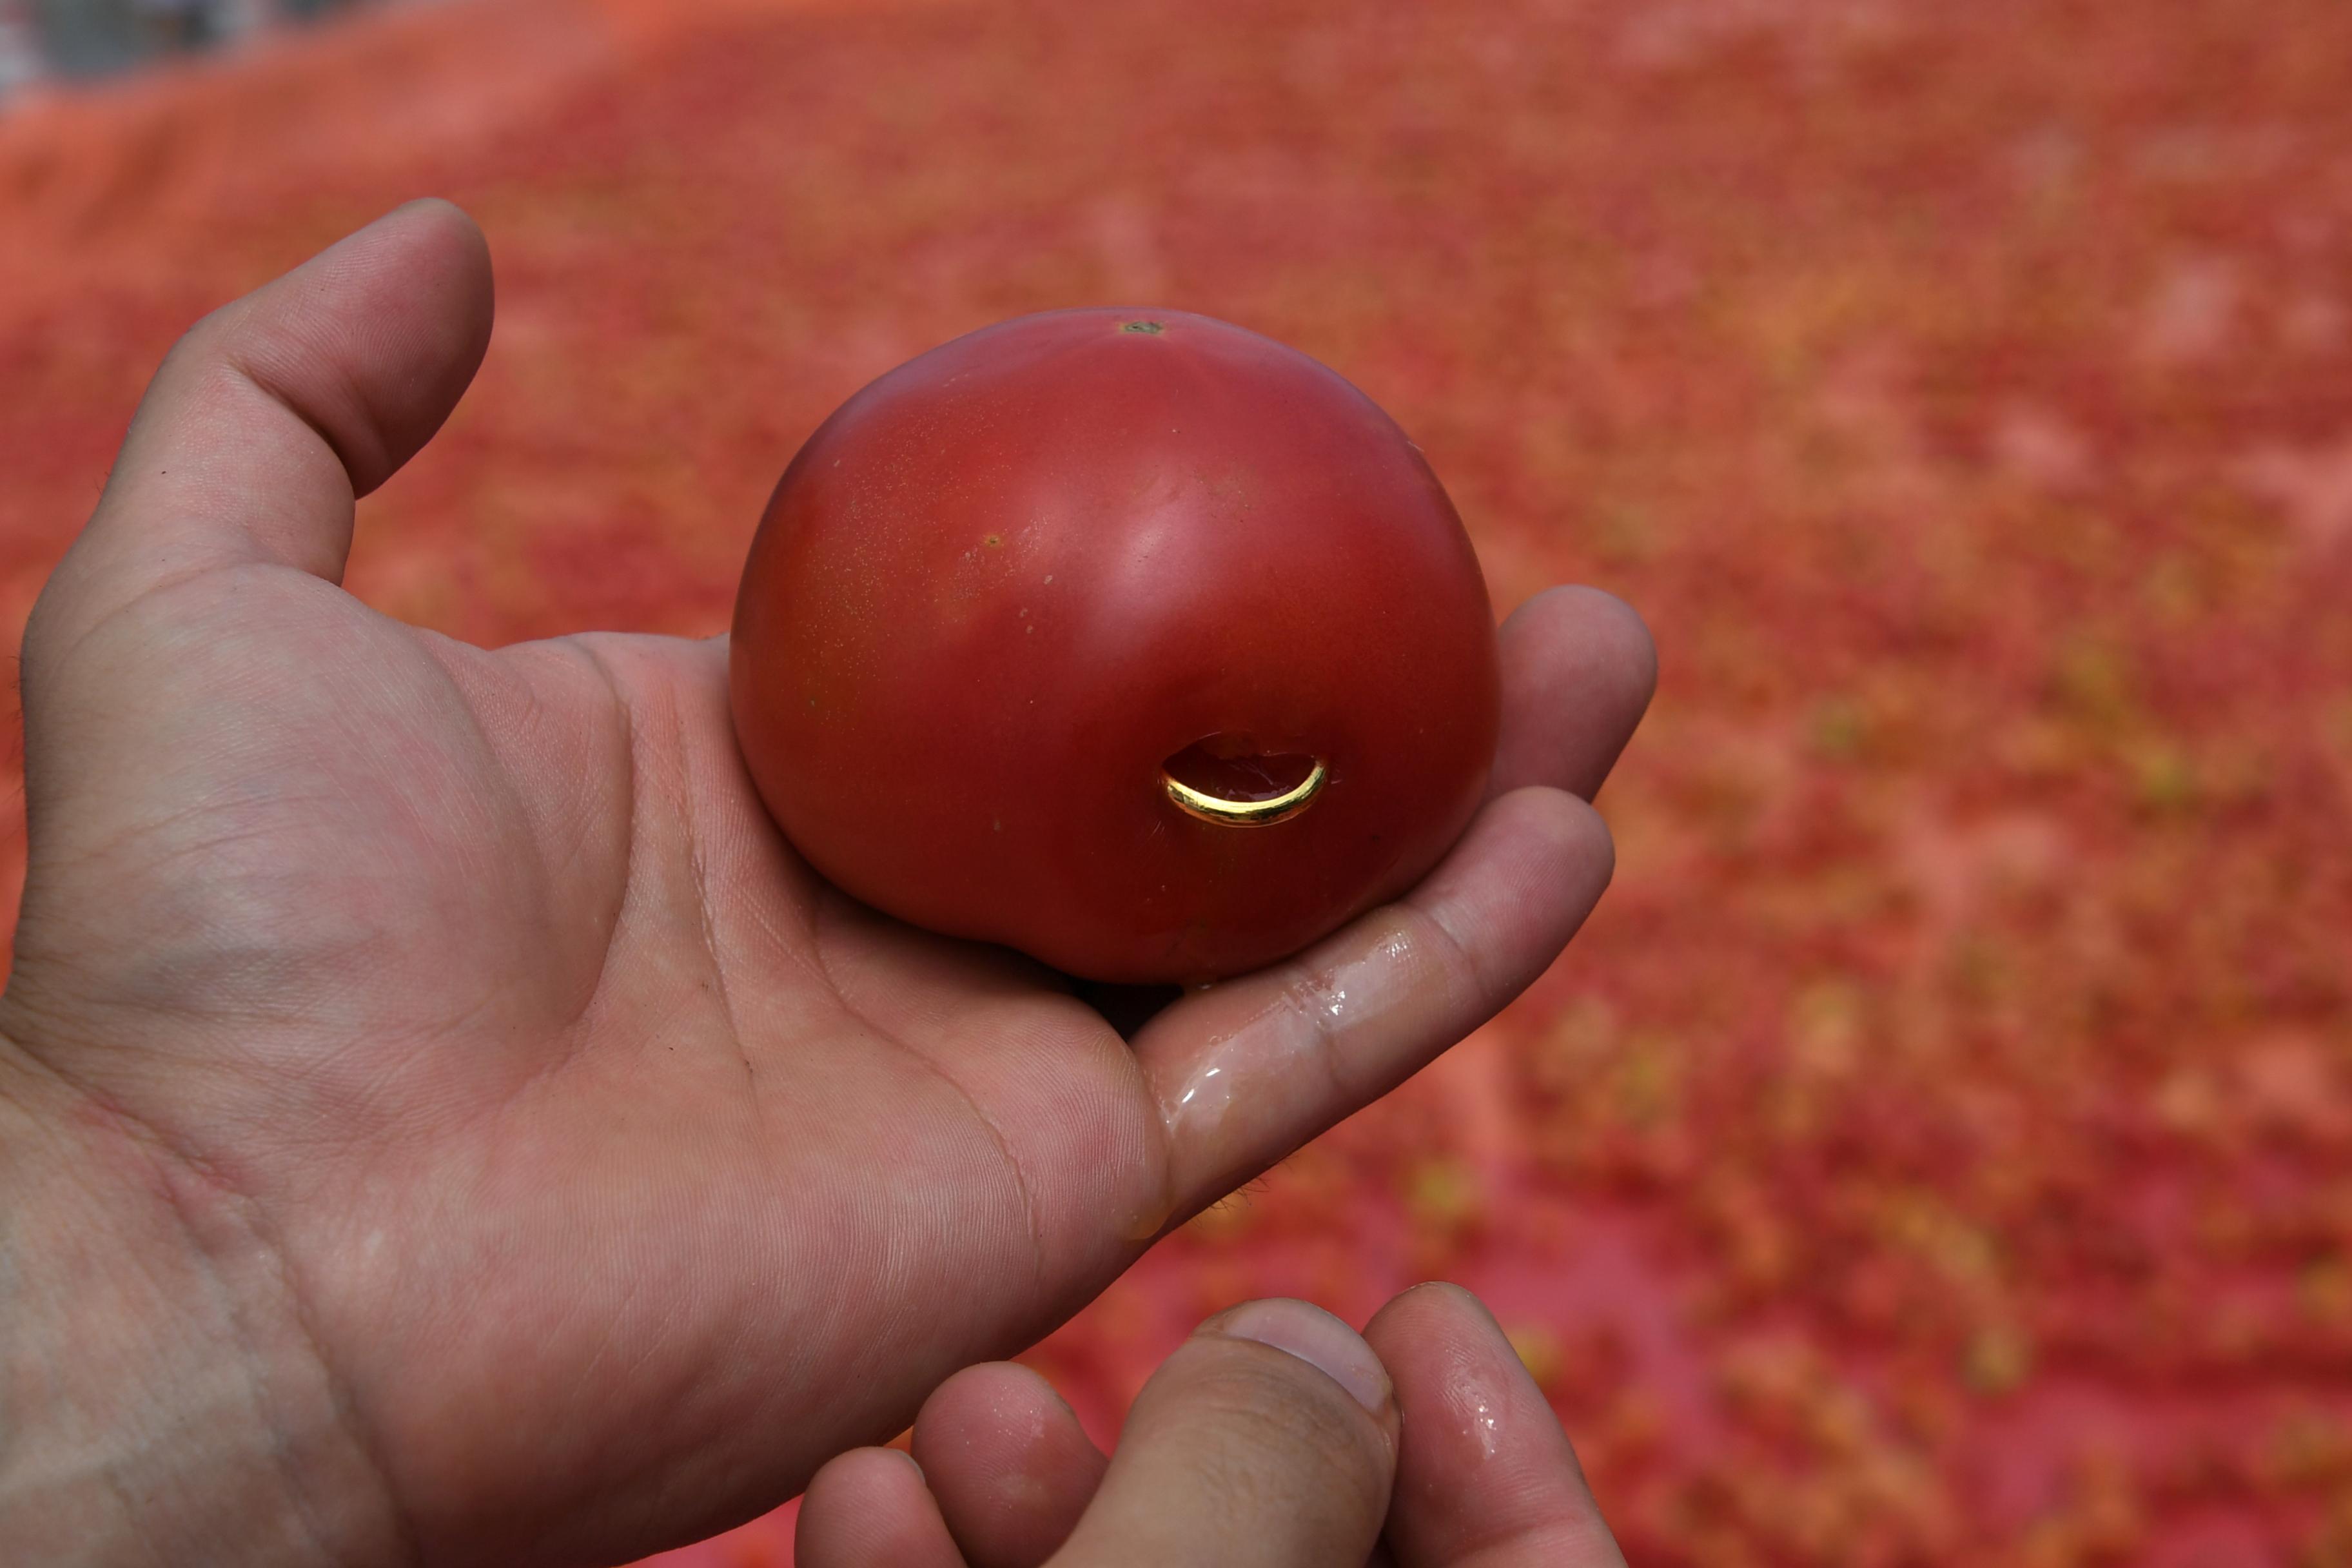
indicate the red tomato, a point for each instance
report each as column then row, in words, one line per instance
column 1036, row 622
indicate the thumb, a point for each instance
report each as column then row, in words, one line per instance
column 275, row 412
column 1268, row 1440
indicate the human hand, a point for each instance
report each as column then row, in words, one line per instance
column 440, row 1116
column 1425, row 1436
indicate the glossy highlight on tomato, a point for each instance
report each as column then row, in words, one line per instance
column 1131, row 639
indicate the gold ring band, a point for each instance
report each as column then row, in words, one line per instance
column 1246, row 812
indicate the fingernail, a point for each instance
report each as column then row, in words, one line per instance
column 1314, row 1337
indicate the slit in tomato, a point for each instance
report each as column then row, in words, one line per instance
column 1243, row 779
column 1226, row 780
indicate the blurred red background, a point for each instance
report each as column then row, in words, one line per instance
column 1939, row 1146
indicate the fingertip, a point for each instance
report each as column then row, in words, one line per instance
column 1587, row 840
column 869, row 1508
column 434, row 225
column 1000, row 1400
column 1612, row 641
column 1010, row 1465
column 407, row 305
column 1576, row 826
column 448, row 233
column 1441, row 1296
column 1579, row 669
column 446, row 215
column 1437, row 1312
column 1633, row 651
column 1484, row 1469
column 453, row 246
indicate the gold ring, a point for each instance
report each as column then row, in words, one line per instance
column 1246, row 812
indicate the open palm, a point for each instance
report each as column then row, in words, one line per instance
column 616, row 1170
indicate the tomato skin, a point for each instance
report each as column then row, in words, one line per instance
column 1005, row 583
